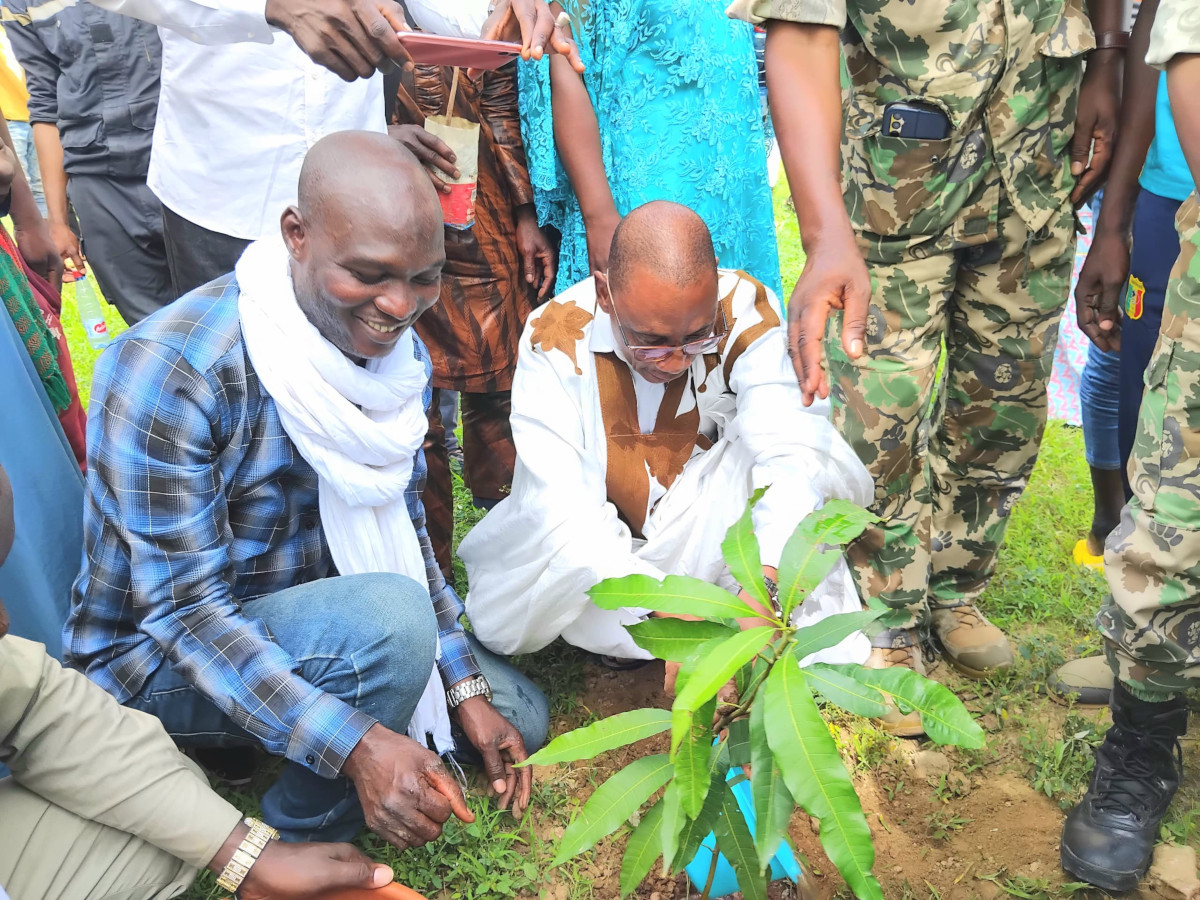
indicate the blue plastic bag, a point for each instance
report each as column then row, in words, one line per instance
column 783, row 865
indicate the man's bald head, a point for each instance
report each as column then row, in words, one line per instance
column 366, row 240
column 661, row 285
column 666, row 240
column 351, row 169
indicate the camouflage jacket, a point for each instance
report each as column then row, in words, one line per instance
column 1176, row 30
column 1005, row 72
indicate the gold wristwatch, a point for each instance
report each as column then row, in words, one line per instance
column 246, row 855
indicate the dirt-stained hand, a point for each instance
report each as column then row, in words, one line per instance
column 501, row 746
column 406, row 793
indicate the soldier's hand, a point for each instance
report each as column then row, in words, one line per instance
column 1098, row 292
column 1096, row 123
column 834, row 277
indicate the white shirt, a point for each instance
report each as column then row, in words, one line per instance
column 531, row 560
column 240, row 105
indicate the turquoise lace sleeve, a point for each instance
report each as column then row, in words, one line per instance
column 675, row 87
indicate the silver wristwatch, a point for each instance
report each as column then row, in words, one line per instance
column 472, row 687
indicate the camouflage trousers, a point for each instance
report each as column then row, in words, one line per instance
column 1152, row 559
column 950, row 440
column 489, row 456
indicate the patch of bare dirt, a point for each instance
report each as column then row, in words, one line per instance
column 933, row 840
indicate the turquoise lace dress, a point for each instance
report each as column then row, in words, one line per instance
column 675, row 87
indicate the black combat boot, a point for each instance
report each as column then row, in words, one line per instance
column 1109, row 837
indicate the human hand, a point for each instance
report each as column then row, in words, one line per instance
column 68, row 246
column 532, row 24
column 535, row 251
column 294, row 871
column 351, row 38
column 599, row 239
column 404, row 790
column 431, row 150
column 39, row 251
column 834, row 277
column 1096, row 123
column 727, row 696
column 1101, row 283
column 501, row 745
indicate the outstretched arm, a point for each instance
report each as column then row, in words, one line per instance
column 806, row 104
column 577, row 135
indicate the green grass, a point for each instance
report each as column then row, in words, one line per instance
column 1038, row 596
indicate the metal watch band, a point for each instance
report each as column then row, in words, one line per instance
column 473, row 687
column 1112, row 40
column 246, row 855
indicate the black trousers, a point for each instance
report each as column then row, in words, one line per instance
column 196, row 255
column 120, row 222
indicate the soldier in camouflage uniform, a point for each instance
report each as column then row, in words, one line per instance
column 959, row 203
column 1151, row 622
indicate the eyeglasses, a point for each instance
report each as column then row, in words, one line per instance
column 656, row 352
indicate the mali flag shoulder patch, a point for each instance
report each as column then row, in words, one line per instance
column 1135, row 298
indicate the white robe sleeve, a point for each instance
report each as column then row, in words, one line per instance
column 796, row 450
column 532, row 559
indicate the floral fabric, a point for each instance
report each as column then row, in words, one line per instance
column 675, row 87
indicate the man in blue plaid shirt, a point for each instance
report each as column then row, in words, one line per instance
column 208, row 595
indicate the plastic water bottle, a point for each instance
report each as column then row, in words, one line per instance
column 91, row 313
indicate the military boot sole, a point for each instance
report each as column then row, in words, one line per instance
column 1106, row 879
column 971, row 672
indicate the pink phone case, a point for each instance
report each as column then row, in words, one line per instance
column 469, row 53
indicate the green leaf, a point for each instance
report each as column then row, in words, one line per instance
column 674, row 822
column 831, row 631
column 734, row 840
column 675, row 639
column 814, row 549
column 675, row 594
column 612, row 803
column 692, row 832
column 945, row 719
column 739, row 742
column 644, row 847
column 846, row 692
column 773, row 803
column 607, row 734
column 813, row 771
column 691, row 761
column 720, row 661
column 740, row 550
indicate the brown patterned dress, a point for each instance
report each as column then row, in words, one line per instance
column 472, row 334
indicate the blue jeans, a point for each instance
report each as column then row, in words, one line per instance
column 26, row 152
column 1099, row 389
column 368, row 640
column 1155, row 249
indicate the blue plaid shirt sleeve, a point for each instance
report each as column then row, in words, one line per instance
column 162, row 424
